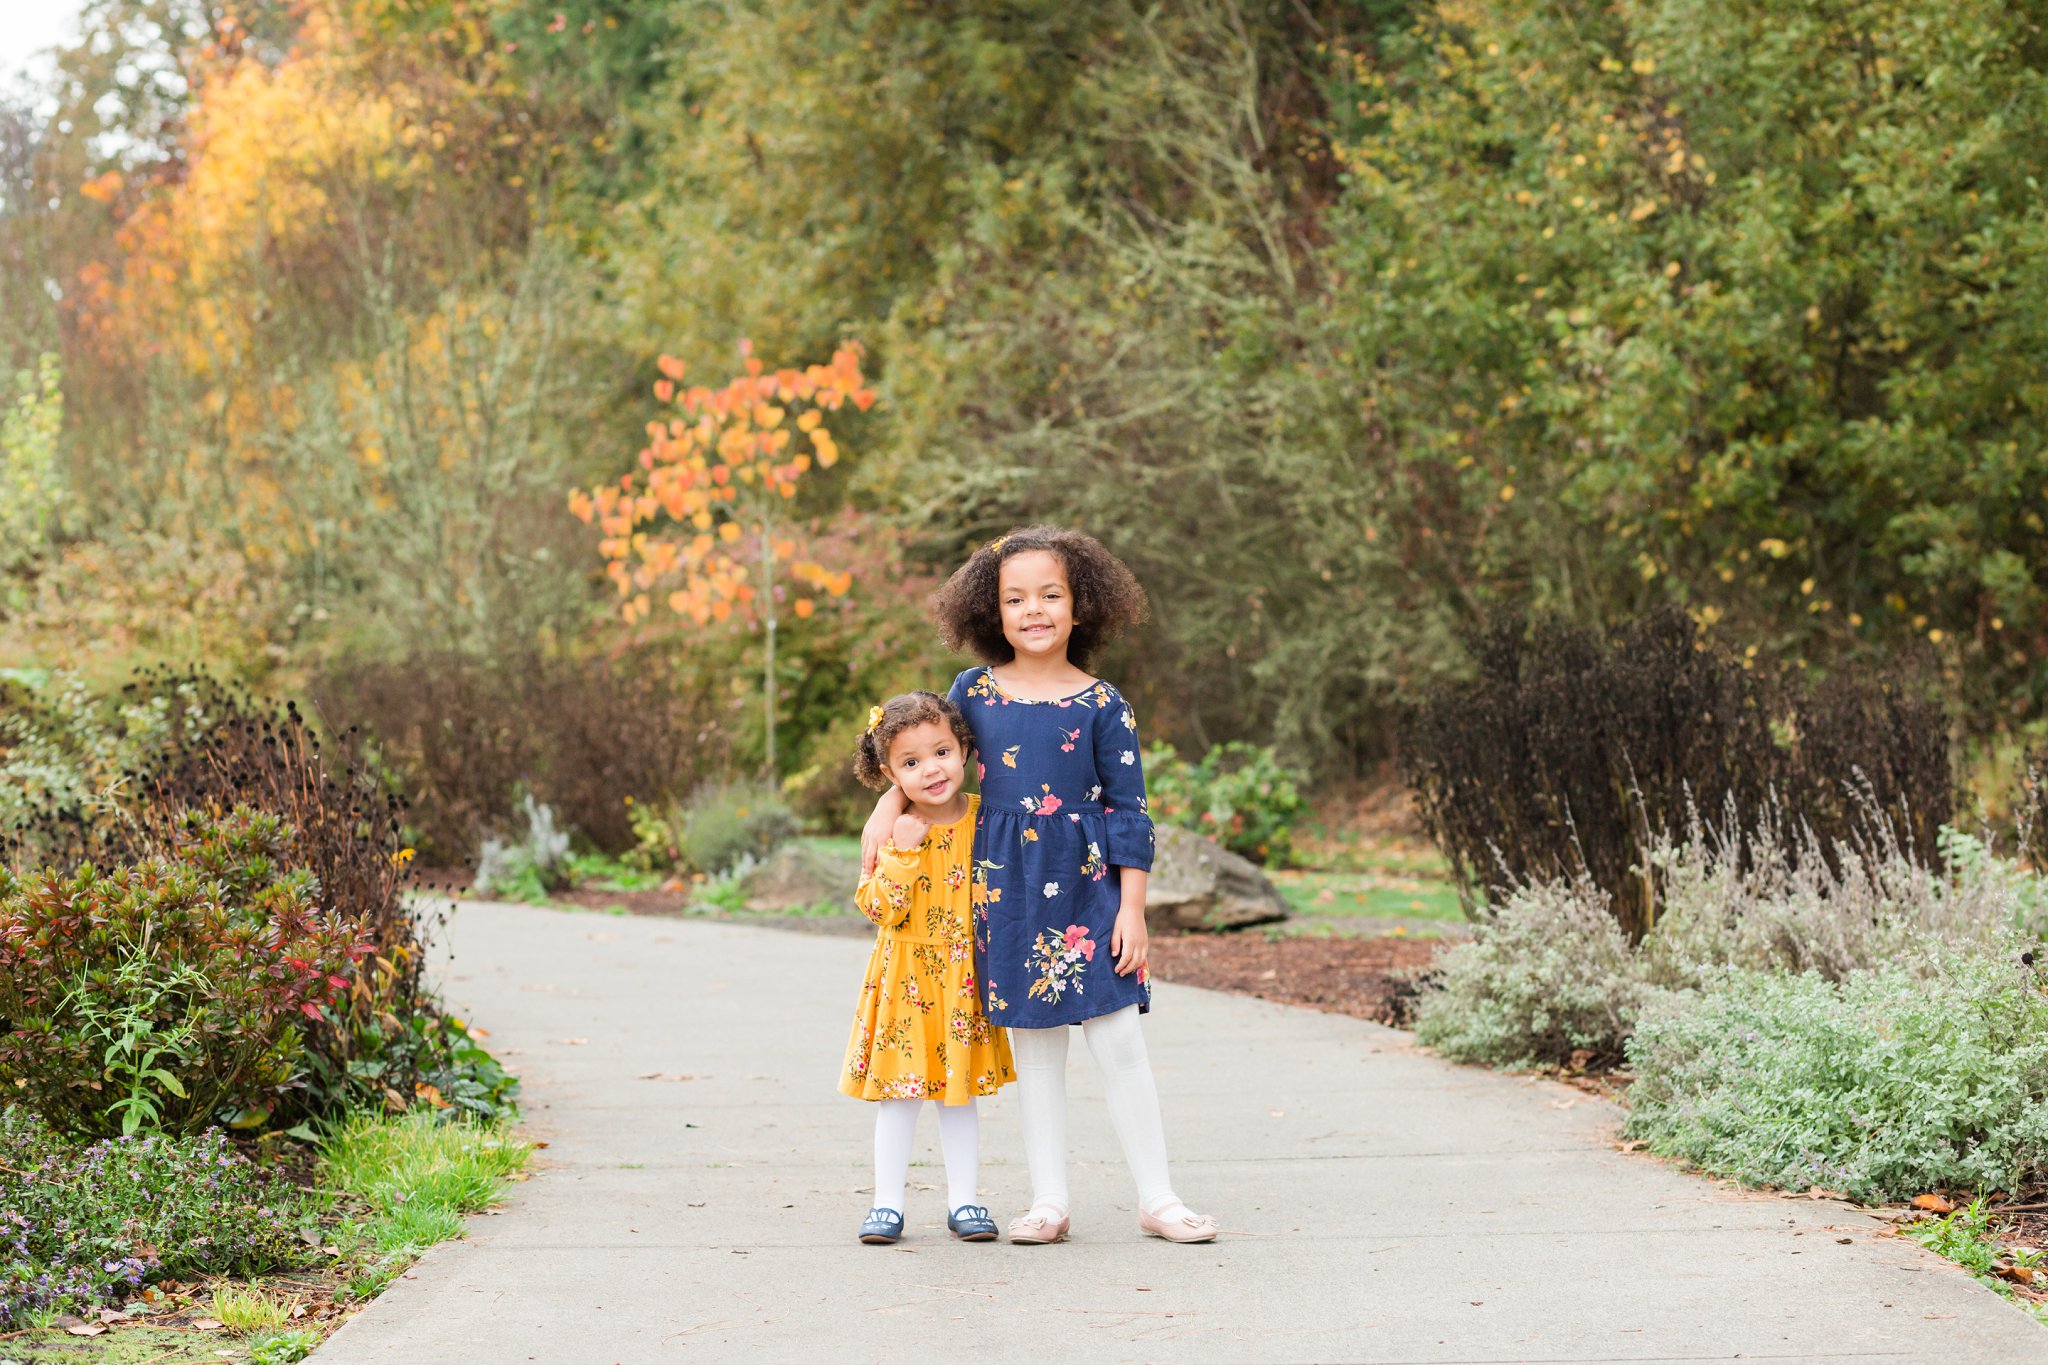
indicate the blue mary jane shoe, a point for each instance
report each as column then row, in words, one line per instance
column 882, row 1227
column 971, row 1223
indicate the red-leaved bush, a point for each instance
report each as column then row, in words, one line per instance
column 171, row 993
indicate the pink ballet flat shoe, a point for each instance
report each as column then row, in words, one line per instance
column 1034, row 1229
column 1188, row 1227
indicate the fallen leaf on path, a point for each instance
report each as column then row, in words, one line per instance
column 90, row 1329
column 665, row 1076
column 1933, row 1203
column 570, row 1042
column 1632, row 1145
column 698, row 1205
column 538, row 986
column 206, row 1324
column 2006, row 1270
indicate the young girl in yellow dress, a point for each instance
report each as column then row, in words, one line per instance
column 920, row 1033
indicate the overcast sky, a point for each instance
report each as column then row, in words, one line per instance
column 30, row 27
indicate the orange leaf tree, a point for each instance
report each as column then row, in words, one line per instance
column 705, row 523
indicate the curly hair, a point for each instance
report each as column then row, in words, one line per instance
column 1107, row 598
column 900, row 713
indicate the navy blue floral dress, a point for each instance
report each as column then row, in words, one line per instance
column 1062, row 807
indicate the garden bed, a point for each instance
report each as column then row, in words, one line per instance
column 381, row 1191
column 1341, row 974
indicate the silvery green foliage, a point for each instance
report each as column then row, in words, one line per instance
column 1767, row 898
column 524, row 867
column 1549, row 975
column 1926, row 1074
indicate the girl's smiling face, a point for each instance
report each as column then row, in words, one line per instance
column 1037, row 604
column 927, row 762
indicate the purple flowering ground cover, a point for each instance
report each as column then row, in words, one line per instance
column 86, row 1225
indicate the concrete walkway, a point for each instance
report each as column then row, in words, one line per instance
column 703, row 1181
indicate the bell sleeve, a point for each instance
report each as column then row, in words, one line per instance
column 884, row 894
column 1122, row 775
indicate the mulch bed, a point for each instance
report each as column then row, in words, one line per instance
column 1367, row 978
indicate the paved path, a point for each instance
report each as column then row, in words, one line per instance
column 1380, row 1205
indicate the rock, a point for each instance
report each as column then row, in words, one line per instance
column 802, row 873
column 1196, row 883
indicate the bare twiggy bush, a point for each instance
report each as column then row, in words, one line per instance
column 1570, row 751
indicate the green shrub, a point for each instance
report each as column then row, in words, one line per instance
column 66, row 753
column 721, row 828
column 32, row 491
column 179, row 742
column 83, row 1225
column 1240, row 795
column 396, row 1062
column 163, row 994
column 1905, row 1077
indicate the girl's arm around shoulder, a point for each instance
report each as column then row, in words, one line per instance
column 884, row 894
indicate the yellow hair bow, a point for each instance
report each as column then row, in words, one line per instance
column 998, row 543
column 874, row 718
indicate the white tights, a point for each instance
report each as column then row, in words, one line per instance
column 959, row 1139
column 1119, row 1048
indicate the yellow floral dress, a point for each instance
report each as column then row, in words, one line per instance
column 919, row 1032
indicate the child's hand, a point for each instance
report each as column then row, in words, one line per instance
column 1128, row 939
column 909, row 832
column 876, row 830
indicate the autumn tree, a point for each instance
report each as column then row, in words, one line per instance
column 713, row 495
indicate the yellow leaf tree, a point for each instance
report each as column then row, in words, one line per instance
column 705, row 523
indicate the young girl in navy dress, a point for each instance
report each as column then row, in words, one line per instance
column 1062, row 845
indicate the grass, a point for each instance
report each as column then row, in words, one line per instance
column 416, row 1177
column 1328, row 895
column 1967, row 1238
column 245, row 1309
column 603, row 872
